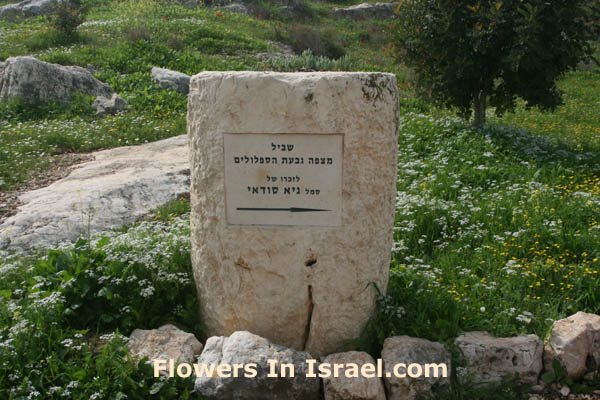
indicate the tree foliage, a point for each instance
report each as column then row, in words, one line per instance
column 473, row 53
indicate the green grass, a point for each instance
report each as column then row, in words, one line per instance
column 496, row 229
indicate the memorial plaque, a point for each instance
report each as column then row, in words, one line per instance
column 283, row 179
column 292, row 191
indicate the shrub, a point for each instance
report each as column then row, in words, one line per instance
column 175, row 43
column 326, row 43
column 67, row 15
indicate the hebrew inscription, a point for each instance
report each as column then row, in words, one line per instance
column 283, row 179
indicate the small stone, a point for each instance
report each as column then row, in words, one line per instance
column 357, row 387
column 575, row 343
column 171, row 80
column 408, row 350
column 565, row 391
column 539, row 388
column 489, row 358
column 110, row 106
column 166, row 342
column 248, row 349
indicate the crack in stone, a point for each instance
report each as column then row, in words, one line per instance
column 308, row 321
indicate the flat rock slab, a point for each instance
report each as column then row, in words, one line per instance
column 115, row 189
column 293, row 200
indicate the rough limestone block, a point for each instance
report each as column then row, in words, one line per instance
column 408, row 350
column 301, row 279
column 255, row 382
column 352, row 385
column 575, row 343
column 490, row 359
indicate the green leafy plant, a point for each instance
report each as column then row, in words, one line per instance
column 471, row 53
column 67, row 15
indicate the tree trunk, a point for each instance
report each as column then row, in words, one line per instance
column 480, row 99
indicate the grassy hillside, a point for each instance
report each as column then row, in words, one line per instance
column 496, row 229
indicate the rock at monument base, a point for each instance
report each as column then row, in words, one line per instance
column 110, row 106
column 120, row 186
column 306, row 280
column 248, row 349
column 171, row 80
column 408, row 350
column 575, row 343
column 356, row 387
column 490, row 359
column 166, row 342
column 35, row 80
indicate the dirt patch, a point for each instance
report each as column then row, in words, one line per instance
column 60, row 166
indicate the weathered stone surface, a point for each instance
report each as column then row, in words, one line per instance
column 167, row 342
column 356, row 387
column 367, row 11
column 575, row 343
column 305, row 287
column 408, row 350
column 117, row 188
column 27, row 8
column 110, row 106
column 489, row 358
column 171, row 80
column 246, row 348
column 37, row 80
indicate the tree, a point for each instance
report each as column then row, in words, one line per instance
column 471, row 53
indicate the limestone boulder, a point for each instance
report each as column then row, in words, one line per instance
column 433, row 358
column 257, row 354
column 306, row 280
column 575, row 343
column 110, row 106
column 353, row 385
column 115, row 189
column 35, row 80
column 489, row 358
column 367, row 11
column 171, row 80
column 167, row 342
column 25, row 9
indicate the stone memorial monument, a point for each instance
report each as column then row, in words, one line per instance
column 293, row 187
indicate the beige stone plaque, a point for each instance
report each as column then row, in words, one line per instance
column 283, row 179
column 306, row 274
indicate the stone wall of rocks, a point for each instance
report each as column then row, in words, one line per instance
column 574, row 343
